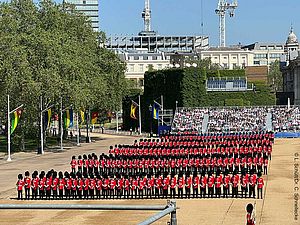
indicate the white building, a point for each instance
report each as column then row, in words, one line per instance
column 229, row 57
column 265, row 53
column 139, row 62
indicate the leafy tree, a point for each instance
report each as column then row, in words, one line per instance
column 275, row 77
column 51, row 50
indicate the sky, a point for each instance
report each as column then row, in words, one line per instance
column 254, row 21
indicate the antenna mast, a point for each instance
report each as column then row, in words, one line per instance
column 223, row 7
column 146, row 15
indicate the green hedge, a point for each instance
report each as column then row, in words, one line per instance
column 226, row 73
column 188, row 87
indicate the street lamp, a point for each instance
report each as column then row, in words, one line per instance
column 150, row 118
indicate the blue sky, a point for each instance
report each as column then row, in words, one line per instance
column 255, row 20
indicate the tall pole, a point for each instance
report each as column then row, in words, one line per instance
column 41, row 126
column 117, row 117
column 140, row 116
column 61, row 124
column 77, row 129
column 162, row 110
column 8, row 130
column 87, row 126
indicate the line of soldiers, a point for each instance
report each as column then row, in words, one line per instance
column 175, row 164
column 55, row 185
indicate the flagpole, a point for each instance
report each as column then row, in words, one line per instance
column 42, row 135
column 140, row 116
column 8, row 129
column 117, row 115
column 77, row 129
column 61, row 124
column 162, row 109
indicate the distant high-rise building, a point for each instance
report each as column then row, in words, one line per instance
column 89, row 8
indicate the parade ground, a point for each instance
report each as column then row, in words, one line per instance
column 277, row 208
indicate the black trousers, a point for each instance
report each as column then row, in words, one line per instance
column 20, row 194
column 202, row 192
column 27, row 193
column 259, row 193
column 180, row 192
column 173, row 192
column 195, row 192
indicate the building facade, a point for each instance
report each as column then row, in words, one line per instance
column 90, row 8
column 265, row 53
column 229, row 57
column 290, row 68
column 137, row 63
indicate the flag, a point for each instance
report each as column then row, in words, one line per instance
column 82, row 116
column 47, row 118
column 155, row 110
column 68, row 118
column 133, row 109
column 94, row 117
column 15, row 120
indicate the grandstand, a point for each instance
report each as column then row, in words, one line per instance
column 238, row 119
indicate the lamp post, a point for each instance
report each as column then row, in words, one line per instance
column 150, row 118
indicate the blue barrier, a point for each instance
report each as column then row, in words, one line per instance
column 287, row 135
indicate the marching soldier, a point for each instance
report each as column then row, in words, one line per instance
column 196, row 183
column 20, row 184
column 27, row 185
column 203, row 185
column 211, row 185
column 181, row 184
column 260, row 185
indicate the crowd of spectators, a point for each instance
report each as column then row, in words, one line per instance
column 286, row 120
column 238, row 119
column 188, row 119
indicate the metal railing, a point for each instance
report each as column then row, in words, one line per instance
column 170, row 208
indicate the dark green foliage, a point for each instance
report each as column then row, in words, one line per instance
column 188, row 87
column 226, row 73
column 51, row 50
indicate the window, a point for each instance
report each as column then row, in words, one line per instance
column 159, row 57
column 141, row 82
column 136, row 58
column 84, row 2
column 225, row 65
column 130, row 68
column 141, row 68
column 234, row 65
column 145, row 57
column 256, row 62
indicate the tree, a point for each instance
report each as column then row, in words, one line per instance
column 51, row 50
column 275, row 79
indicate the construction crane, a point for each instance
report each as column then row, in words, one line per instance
column 223, row 7
column 146, row 15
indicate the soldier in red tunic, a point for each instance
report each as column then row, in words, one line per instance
column 196, row 183
column 73, row 164
column 20, row 184
column 34, row 185
column 260, row 185
column 27, row 185
column 250, row 220
column 211, row 185
column 203, row 185
column 61, row 185
column 173, row 186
